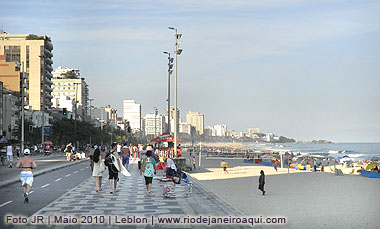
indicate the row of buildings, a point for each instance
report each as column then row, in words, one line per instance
column 27, row 77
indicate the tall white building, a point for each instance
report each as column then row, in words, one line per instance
column 220, row 130
column 197, row 120
column 132, row 113
column 154, row 124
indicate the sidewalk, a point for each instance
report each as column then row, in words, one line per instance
column 57, row 160
column 132, row 200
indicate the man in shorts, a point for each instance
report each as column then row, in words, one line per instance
column 26, row 164
column 125, row 153
column 10, row 155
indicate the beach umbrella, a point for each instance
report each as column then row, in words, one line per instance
column 48, row 143
column 371, row 166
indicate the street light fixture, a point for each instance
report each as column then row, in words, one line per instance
column 177, row 52
column 170, row 67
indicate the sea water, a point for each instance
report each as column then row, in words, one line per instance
column 354, row 150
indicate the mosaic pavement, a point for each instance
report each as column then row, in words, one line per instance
column 83, row 203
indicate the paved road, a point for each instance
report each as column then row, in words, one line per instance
column 44, row 163
column 46, row 188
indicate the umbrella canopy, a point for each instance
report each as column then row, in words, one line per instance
column 48, row 143
column 371, row 166
column 165, row 137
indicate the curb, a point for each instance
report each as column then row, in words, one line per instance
column 43, row 171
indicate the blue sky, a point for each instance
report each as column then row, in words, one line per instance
column 302, row 69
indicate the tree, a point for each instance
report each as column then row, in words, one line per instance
column 69, row 75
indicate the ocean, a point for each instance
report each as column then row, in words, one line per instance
column 354, row 150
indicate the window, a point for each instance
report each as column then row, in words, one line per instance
column 27, row 58
column 12, row 53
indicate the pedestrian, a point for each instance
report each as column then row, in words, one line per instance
column 18, row 152
column 118, row 149
column 171, row 168
column 68, row 151
column 148, row 168
column 224, row 166
column 275, row 163
column 26, row 164
column 315, row 165
column 98, row 170
column 113, row 173
column 194, row 162
column 125, row 153
column 10, row 155
column 262, row 182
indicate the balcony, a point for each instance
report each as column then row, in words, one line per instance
column 48, row 53
column 49, row 61
column 48, row 45
column 49, row 68
column 48, row 75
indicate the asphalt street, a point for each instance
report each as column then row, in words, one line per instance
column 46, row 188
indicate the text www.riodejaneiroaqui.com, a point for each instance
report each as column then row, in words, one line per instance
column 135, row 220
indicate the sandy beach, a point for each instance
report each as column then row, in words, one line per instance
column 306, row 199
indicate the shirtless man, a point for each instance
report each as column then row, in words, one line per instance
column 26, row 164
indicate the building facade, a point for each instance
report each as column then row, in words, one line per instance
column 75, row 88
column 154, row 124
column 36, row 53
column 132, row 113
column 197, row 120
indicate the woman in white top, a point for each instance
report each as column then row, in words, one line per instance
column 98, row 171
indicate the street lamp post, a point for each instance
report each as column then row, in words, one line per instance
column 155, row 120
column 22, row 110
column 177, row 52
column 76, row 107
column 43, row 101
column 170, row 67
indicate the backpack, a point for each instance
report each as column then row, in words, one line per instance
column 108, row 160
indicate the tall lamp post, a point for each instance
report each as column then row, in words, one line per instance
column 177, row 51
column 155, row 120
column 43, row 101
column 22, row 110
column 170, row 67
column 76, row 107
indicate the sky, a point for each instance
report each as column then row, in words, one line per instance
column 304, row 69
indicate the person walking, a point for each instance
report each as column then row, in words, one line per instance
column 10, row 155
column 113, row 173
column 315, row 165
column 148, row 168
column 262, row 181
column 98, row 170
column 68, row 151
column 125, row 153
column 26, row 164
column 194, row 162
column 224, row 166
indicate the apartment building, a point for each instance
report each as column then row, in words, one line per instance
column 35, row 53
